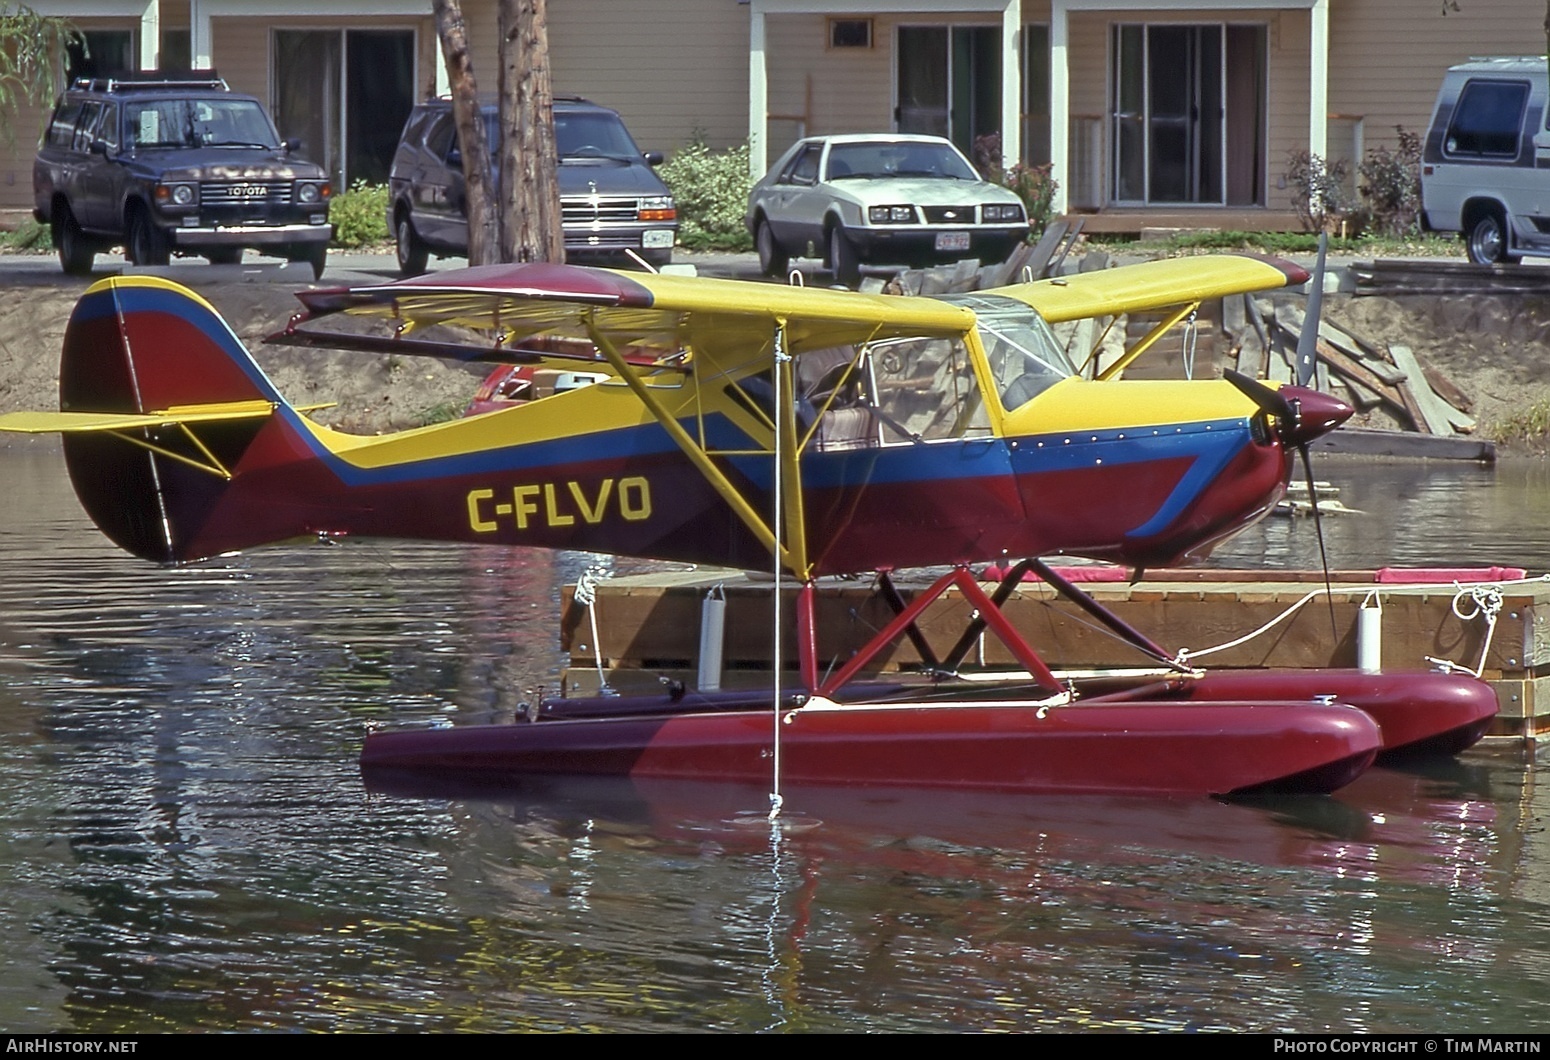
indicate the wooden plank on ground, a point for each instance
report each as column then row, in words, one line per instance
column 1433, row 410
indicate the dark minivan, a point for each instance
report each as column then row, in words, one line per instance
column 164, row 163
column 610, row 200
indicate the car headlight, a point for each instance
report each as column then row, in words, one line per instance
column 657, row 208
column 176, row 194
column 891, row 215
column 309, row 194
column 1002, row 212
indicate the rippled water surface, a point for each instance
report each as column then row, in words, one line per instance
column 187, row 843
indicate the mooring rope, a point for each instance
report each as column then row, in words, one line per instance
column 586, row 595
column 1484, row 601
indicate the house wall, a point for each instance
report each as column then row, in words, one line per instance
column 815, row 89
column 1387, row 57
column 671, row 68
column 677, row 67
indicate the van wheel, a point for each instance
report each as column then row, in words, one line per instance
column 1485, row 240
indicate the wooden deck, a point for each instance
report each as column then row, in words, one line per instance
column 649, row 629
column 1127, row 220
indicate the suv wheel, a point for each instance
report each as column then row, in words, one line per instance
column 76, row 253
column 412, row 253
column 147, row 246
column 773, row 259
column 314, row 254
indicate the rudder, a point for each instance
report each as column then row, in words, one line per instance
column 146, row 345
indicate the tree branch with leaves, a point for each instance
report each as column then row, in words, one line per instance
column 33, row 51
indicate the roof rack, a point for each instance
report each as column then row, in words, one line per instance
column 153, row 81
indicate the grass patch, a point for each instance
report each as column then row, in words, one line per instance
column 442, row 412
column 28, row 236
column 1527, row 428
column 1420, row 245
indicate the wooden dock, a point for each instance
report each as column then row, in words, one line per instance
column 649, row 628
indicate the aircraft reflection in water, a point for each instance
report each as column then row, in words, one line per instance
column 745, row 425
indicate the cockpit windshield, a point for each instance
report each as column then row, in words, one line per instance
column 1025, row 357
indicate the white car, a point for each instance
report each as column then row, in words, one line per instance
column 889, row 199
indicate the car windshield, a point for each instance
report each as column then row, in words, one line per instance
column 199, row 123
column 858, row 161
column 579, row 137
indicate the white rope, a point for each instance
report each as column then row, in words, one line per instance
column 1191, row 334
column 1484, row 601
column 1186, row 654
column 586, row 595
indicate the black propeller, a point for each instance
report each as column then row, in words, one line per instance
column 1302, row 414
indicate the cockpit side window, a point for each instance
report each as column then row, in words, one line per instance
column 1025, row 357
column 925, row 390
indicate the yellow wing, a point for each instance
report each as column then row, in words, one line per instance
column 1153, row 285
column 649, row 312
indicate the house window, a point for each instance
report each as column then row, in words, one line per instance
column 176, row 50
column 949, row 82
column 346, row 95
column 1035, row 94
column 1187, row 119
column 100, row 53
column 850, row 33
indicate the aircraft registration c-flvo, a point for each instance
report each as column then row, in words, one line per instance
column 881, row 432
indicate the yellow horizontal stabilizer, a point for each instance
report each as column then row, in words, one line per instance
column 86, row 422
column 1153, row 285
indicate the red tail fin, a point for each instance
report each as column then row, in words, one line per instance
column 146, row 345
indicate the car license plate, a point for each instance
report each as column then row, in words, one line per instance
column 952, row 241
column 656, row 238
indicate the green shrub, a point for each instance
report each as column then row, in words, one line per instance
column 1033, row 184
column 710, row 189
column 1318, row 190
column 1392, row 185
column 360, row 216
column 29, row 235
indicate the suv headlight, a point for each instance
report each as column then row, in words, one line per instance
column 891, row 215
column 177, row 194
column 658, row 208
column 1003, row 212
column 309, row 193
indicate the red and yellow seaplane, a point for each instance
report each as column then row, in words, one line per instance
column 749, row 425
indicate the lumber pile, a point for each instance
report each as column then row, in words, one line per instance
column 1392, row 277
column 1385, row 377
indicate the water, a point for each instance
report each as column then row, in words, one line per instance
column 188, row 844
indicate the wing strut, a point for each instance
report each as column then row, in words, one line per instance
column 793, row 554
column 1149, row 341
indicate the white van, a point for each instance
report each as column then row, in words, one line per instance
column 1485, row 165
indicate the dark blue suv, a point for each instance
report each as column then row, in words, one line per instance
column 164, row 164
column 610, row 200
